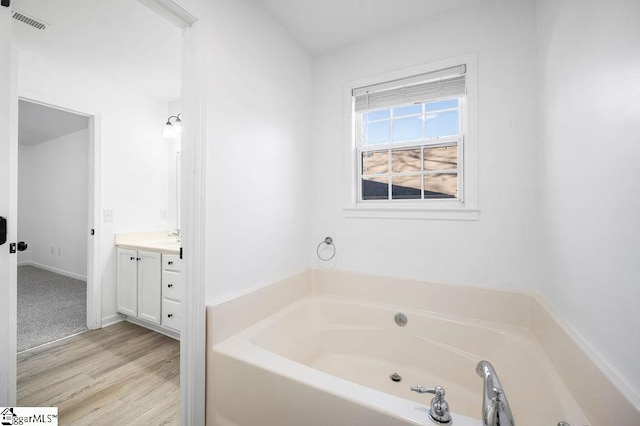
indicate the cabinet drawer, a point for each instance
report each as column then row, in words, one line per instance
column 172, row 285
column 171, row 262
column 171, row 314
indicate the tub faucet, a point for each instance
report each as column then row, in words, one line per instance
column 495, row 407
column 439, row 411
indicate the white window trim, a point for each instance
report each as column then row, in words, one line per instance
column 442, row 209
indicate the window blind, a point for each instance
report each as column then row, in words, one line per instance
column 449, row 82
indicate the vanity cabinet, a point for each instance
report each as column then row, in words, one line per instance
column 149, row 288
column 137, row 284
column 171, row 291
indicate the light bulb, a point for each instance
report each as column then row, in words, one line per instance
column 168, row 131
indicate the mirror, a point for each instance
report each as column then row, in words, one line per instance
column 172, row 133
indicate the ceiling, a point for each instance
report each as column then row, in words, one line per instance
column 324, row 25
column 125, row 42
column 119, row 40
column 38, row 123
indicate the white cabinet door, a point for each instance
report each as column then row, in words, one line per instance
column 127, row 282
column 149, row 287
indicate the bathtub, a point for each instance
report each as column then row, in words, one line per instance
column 326, row 359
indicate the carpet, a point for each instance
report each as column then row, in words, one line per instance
column 50, row 307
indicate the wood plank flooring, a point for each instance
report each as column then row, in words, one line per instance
column 120, row 375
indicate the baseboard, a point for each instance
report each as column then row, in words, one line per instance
column 154, row 327
column 55, row 270
column 112, row 319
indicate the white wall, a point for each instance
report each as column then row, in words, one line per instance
column 257, row 149
column 498, row 250
column 134, row 155
column 258, row 176
column 53, row 203
column 589, row 68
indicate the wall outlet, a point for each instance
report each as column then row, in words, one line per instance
column 164, row 214
column 107, row 215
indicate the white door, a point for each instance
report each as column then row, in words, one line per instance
column 8, row 208
column 127, row 282
column 149, row 286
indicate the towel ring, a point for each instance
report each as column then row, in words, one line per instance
column 328, row 241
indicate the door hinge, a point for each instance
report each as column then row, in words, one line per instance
column 12, row 247
column 180, row 252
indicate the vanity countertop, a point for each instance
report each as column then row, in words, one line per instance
column 155, row 241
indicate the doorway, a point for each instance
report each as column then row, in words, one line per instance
column 54, row 216
column 192, row 344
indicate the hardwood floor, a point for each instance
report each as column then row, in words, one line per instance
column 120, row 375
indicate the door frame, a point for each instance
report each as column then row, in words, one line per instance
column 8, row 207
column 193, row 201
column 94, row 159
column 186, row 15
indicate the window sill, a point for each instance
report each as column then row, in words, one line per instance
column 411, row 212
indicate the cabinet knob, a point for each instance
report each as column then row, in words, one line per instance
column 170, row 262
column 170, row 285
column 170, row 316
column 132, row 258
column 139, row 258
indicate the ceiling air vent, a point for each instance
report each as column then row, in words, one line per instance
column 32, row 22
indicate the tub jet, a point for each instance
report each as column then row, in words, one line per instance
column 401, row 319
column 396, row 377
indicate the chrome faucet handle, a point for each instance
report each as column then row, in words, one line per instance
column 439, row 411
column 422, row 389
column 175, row 233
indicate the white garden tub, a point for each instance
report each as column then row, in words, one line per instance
column 326, row 360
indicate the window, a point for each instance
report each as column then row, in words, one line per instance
column 409, row 137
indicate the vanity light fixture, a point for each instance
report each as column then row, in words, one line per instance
column 173, row 130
